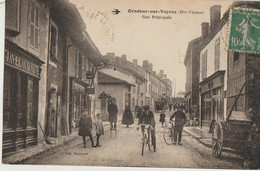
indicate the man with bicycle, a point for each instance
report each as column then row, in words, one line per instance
column 147, row 117
column 180, row 120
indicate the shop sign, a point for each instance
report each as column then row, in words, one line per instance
column 78, row 87
column 207, row 99
column 22, row 64
column 216, row 96
column 90, row 74
column 90, row 90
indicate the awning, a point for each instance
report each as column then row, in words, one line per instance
column 215, row 75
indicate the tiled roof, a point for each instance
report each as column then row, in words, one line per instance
column 108, row 79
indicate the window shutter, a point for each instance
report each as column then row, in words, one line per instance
column 36, row 22
column 12, row 16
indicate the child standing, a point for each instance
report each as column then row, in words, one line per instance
column 162, row 118
column 99, row 128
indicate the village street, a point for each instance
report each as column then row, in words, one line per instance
column 125, row 150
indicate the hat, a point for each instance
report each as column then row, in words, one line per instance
column 146, row 107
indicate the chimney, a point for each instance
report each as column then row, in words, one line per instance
column 111, row 54
column 117, row 60
column 150, row 66
column 161, row 73
column 204, row 30
column 215, row 14
column 165, row 76
column 145, row 64
column 123, row 57
column 135, row 61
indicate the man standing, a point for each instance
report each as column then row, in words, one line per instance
column 180, row 120
column 112, row 111
column 147, row 117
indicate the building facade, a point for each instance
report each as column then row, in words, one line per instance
column 25, row 71
column 213, row 66
column 41, row 48
column 192, row 64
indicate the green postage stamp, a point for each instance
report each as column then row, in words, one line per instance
column 245, row 30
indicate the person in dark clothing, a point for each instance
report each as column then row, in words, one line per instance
column 162, row 118
column 85, row 127
column 180, row 120
column 112, row 111
column 147, row 117
column 139, row 112
column 128, row 118
column 170, row 107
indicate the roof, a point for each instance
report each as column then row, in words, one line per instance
column 92, row 52
column 136, row 74
column 108, row 79
column 67, row 13
column 190, row 46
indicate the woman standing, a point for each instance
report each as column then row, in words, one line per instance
column 128, row 118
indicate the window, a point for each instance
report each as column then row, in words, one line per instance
column 78, row 64
column 20, row 100
column 236, row 56
column 53, row 42
column 12, row 16
column 138, row 89
column 204, row 65
column 7, row 105
column 33, row 25
column 217, row 54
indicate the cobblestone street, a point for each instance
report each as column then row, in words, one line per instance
column 125, row 150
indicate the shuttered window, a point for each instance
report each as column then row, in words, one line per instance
column 53, row 42
column 12, row 16
column 217, row 54
column 33, row 25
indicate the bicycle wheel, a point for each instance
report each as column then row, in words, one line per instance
column 149, row 141
column 167, row 136
column 144, row 139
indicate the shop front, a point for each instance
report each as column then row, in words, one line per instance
column 79, row 101
column 20, row 98
column 212, row 98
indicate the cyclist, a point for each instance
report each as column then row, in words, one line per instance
column 180, row 120
column 147, row 117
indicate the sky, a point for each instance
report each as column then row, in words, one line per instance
column 161, row 41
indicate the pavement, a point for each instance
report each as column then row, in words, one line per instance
column 200, row 134
column 42, row 147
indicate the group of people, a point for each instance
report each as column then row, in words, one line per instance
column 144, row 115
column 87, row 127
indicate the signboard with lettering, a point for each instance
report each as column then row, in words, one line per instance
column 20, row 63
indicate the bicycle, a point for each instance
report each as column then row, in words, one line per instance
column 146, row 131
column 168, row 133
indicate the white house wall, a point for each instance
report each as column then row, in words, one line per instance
column 222, row 34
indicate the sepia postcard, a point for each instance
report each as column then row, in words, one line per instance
column 120, row 84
